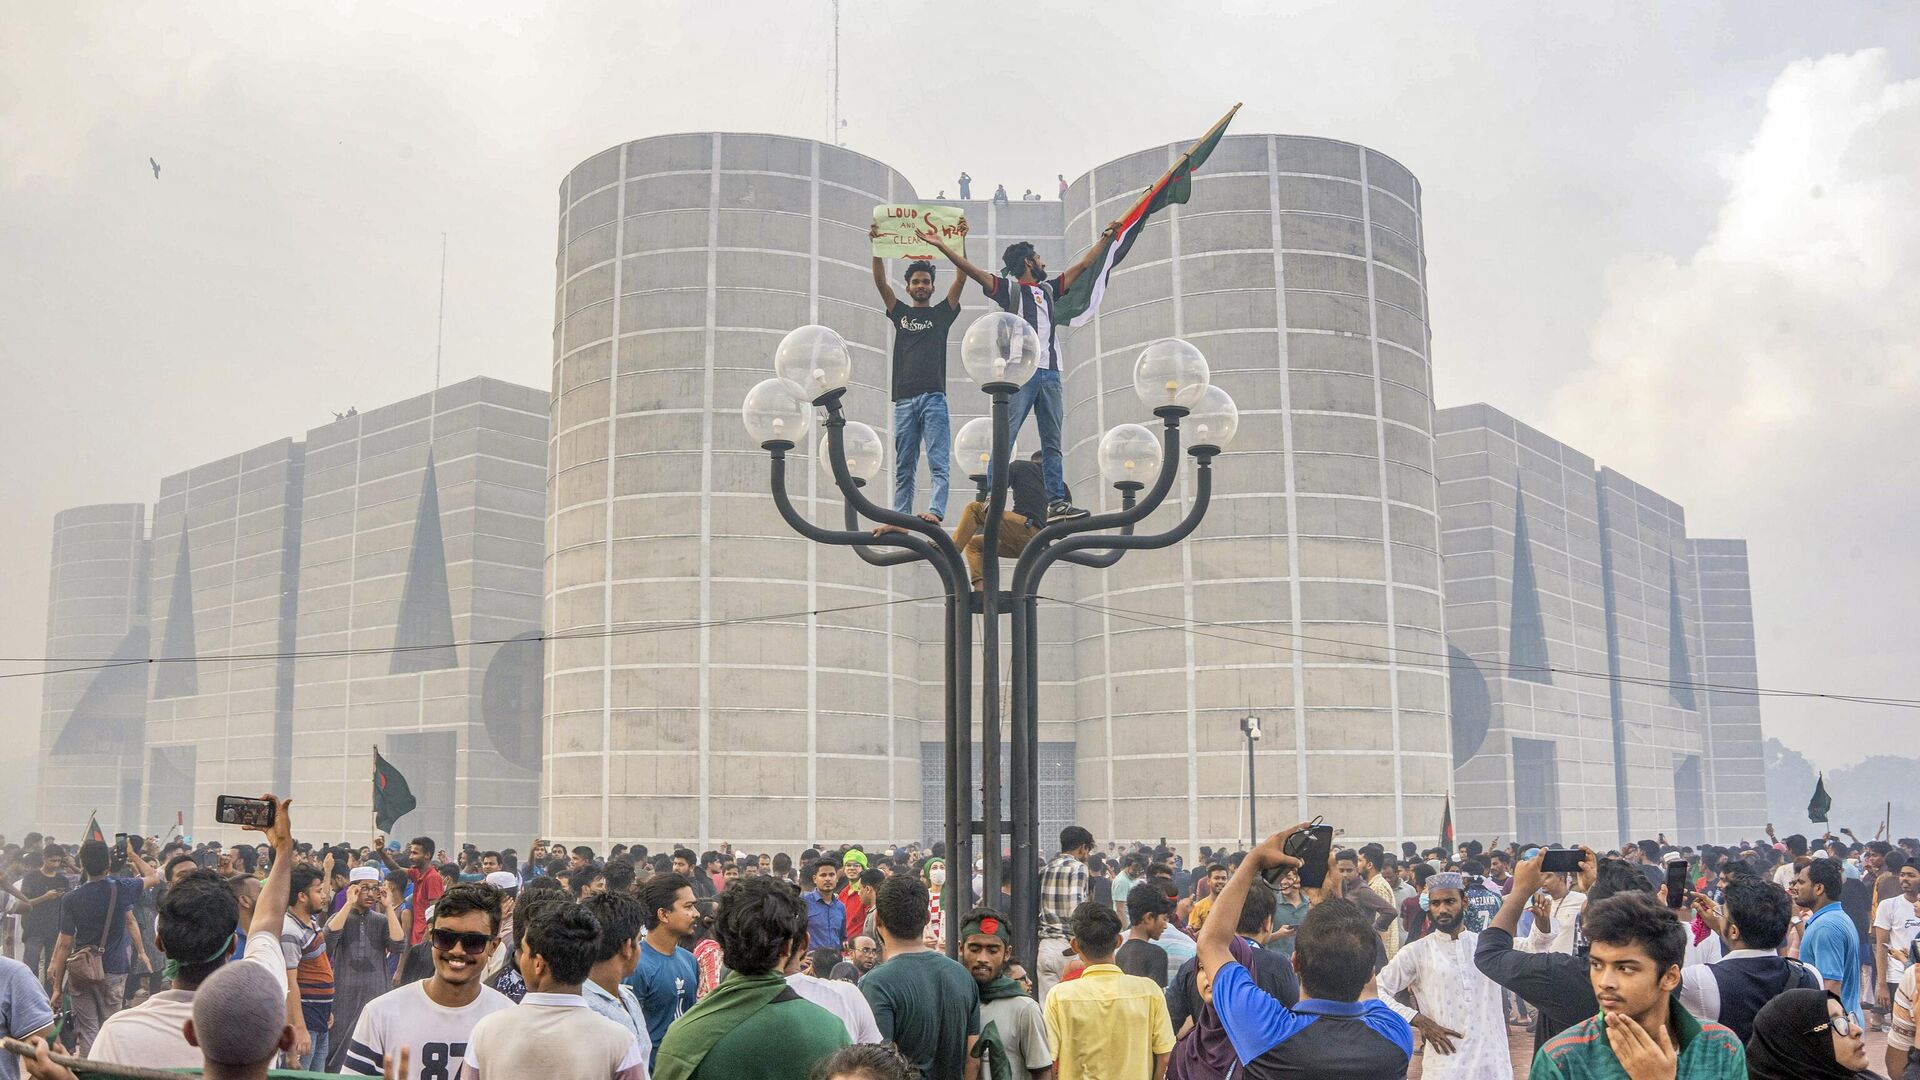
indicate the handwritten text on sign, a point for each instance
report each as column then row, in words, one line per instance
column 899, row 224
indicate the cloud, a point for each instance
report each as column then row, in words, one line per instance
column 1770, row 381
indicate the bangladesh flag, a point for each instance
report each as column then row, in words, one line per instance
column 392, row 798
column 1076, row 306
column 93, row 827
column 1446, row 826
column 1821, row 803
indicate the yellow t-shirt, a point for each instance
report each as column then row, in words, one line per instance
column 1107, row 1023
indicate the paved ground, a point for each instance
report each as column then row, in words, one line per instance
column 1521, row 1042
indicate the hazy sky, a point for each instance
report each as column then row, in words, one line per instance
column 1684, row 238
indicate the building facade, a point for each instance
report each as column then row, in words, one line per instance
column 93, row 709
column 226, row 567
column 1577, row 638
column 419, row 614
column 1297, row 268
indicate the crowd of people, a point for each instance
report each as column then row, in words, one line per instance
column 1766, row 960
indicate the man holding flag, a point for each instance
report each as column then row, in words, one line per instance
column 1071, row 299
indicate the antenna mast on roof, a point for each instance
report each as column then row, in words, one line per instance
column 834, row 133
column 440, row 324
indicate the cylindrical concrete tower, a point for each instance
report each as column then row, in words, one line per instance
column 93, row 714
column 682, row 262
column 1298, row 269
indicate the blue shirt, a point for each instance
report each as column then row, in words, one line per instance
column 666, row 986
column 826, row 921
column 1360, row 1040
column 23, row 1010
column 1831, row 944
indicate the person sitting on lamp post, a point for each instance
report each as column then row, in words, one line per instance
column 1027, row 487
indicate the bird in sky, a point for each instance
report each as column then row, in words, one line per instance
column 156, row 168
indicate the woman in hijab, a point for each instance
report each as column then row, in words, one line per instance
column 1806, row 1035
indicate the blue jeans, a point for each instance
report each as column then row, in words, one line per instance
column 1041, row 396
column 922, row 416
column 316, row 1060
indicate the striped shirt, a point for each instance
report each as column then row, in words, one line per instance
column 1033, row 303
column 304, row 947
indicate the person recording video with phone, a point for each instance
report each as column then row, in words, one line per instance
column 194, row 928
column 1332, row 1032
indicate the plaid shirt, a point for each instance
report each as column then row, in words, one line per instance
column 1063, row 887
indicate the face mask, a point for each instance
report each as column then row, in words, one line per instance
column 939, row 877
column 1423, row 901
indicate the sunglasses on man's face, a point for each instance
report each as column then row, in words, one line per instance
column 471, row 944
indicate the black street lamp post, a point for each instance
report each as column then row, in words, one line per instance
column 1000, row 352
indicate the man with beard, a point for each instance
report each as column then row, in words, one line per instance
column 1011, row 1024
column 359, row 937
column 919, row 389
column 432, row 1019
column 1024, row 288
column 1460, row 1014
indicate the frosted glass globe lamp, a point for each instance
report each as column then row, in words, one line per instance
column 865, row 452
column 1130, row 456
column 1213, row 421
column 815, row 359
column 1169, row 373
column 973, row 448
column 776, row 411
column 1000, row 351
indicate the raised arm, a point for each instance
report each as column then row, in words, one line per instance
column 880, row 282
column 148, row 873
column 1096, row 251
column 380, row 849
column 959, row 260
column 270, row 909
column 1216, row 934
column 959, row 280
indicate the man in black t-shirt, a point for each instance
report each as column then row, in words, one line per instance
column 919, row 380
column 44, row 890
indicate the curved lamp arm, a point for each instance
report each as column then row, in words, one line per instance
column 918, row 546
column 1105, row 559
column 837, row 458
column 1203, row 494
column 855, row 538
column 1043, row 540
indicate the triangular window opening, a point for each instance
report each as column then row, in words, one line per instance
column 423, row 641
column 178, row 677
column 1527, row 631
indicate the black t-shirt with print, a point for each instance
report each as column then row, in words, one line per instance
column 920, row 347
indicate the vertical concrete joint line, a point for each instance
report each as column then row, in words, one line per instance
column 1386, row 500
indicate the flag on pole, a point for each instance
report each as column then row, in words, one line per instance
column 93, row 827
column 1821, row 803
column 1076, row 306
column 1446, row 825
column 392, row 799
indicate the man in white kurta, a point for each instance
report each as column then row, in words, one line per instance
column 1459, row 1017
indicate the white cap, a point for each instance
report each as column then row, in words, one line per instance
column 504, row 879
column 363, row 873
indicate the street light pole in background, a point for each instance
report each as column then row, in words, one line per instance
column 1251, row 726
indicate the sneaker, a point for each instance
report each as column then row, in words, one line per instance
column 1062, row 510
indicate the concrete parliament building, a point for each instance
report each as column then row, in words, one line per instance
column 1420, row 604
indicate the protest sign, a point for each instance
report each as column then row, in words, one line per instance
column 899, row 224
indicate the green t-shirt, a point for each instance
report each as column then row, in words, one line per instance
column 802, row 1032
column 928, row 1006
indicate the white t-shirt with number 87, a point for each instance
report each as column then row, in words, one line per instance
column 436, row 1035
